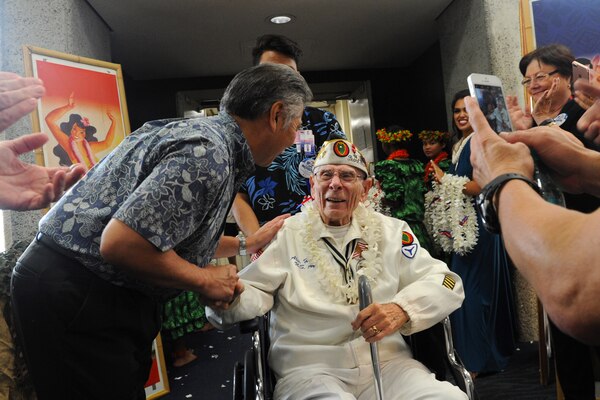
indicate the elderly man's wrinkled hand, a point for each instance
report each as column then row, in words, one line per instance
column 379, row 320
column 492, row 156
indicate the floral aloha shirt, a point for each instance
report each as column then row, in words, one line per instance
column 279, row 188
column 172, row 181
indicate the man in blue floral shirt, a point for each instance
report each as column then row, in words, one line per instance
column 87, row 292
column 282, row 186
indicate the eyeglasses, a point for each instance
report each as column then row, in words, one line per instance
column 539, row 77
column 327, row 175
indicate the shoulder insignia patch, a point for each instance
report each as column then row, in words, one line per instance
column 410, row 250
column 449, row 282
column 407, row 238
column 409, row 247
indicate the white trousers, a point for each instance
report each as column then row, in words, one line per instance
column 402, row 378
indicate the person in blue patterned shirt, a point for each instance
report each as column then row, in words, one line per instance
column 282, row 186
column 133, row 232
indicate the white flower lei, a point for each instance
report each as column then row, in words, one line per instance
column 328, row 272
column 450, row 215
column 375, row 196
column 458, row 148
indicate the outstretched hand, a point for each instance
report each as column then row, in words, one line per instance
column 438, row 173
column 26, row 186
column 544, row 108
column 72, row 100
column 265, row 234
column 521, row 119
column 492, row 156
column 18, row 97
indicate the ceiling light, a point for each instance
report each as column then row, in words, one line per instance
column 281, row 19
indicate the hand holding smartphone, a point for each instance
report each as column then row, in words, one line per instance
column 490, row 96
column 585, row 72
column 488, row 90
column 581, row 71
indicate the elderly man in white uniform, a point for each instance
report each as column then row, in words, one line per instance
column 308, row 278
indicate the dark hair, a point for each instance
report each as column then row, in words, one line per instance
column 394, row 128
column 253, row 91
column 389, row 147
column 456, row 133
column 278, row 43
column 63, row 157
column 90, row 130
column 557, row 55
column 66, row 127
column 442, row 138
column 585, row 61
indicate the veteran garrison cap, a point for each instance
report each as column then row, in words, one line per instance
column 341, row 152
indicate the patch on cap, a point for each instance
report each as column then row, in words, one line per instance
column 341, row 152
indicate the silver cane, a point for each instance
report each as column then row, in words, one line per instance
column 364, row 296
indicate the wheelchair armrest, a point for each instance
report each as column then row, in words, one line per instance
column 250, row 325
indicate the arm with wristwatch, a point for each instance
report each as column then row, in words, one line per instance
column 554, row 248
column 243, row 245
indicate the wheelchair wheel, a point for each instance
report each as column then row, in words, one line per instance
column 249, row 376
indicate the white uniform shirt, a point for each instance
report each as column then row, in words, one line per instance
column 310, row 328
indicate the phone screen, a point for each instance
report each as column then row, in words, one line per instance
column 493, row 105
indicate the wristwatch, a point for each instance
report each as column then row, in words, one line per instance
column 548, row 122
column 485, row 200
column 242, row 240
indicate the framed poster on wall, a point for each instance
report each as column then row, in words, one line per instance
column 158, row 383
column 84, row 112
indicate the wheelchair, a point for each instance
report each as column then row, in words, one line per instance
column 253, row 379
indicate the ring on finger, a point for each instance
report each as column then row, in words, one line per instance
column 375, row 330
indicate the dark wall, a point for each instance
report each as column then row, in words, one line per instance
column 155, row 99
column 412, row 96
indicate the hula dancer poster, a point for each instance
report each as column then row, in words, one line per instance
column 83, row 112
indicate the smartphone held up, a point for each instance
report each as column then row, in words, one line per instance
column 487, row 89
column 582, row 70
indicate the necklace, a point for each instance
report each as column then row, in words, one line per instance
column 368, row 263
column 450, row 217
column 458, row 148
column 402, row 153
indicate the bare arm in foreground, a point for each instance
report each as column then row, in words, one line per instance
column 554, row 248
